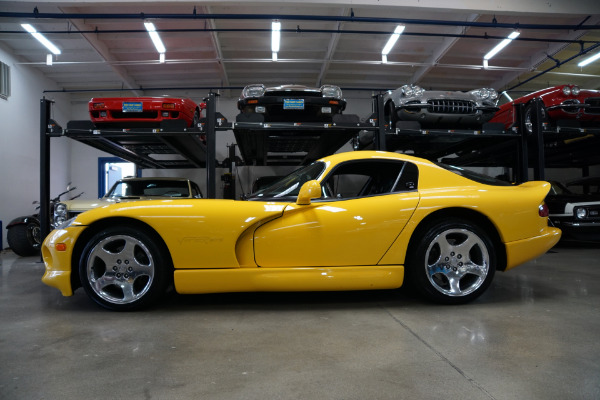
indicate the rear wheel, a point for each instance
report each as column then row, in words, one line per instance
column 124, row 269
column 453, row 263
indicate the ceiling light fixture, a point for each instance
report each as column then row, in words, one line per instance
column 589, row 60
column 41, row 38
column 275, row 38
column 501, row 45
column 160, row 47
column 391, row 42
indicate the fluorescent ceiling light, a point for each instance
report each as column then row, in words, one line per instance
column 392, row 40
column 384, row 58
column 274, row 56
column 501, row 45
column 41, row 38
column 160, row 47
column 275, row 36
column 589, row 60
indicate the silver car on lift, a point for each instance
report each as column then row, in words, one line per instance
column 439, row 108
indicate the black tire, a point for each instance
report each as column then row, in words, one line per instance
column 453, row 263
column 24, row 239
column 125, row 269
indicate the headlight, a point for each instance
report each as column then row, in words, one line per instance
column 331, row 91
column 60, row 209
column 412, row 90
column 566, row 90
column 581, row 213
column 253, row 91
column 575, row 90
column 485, row 93
column 418, row 90
column 60, row 213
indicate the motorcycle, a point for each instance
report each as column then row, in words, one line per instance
column 24, row 233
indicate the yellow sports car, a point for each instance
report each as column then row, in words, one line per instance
column 352, row 221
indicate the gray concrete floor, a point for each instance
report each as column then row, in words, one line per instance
column 534, row 335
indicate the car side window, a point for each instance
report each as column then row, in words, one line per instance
column 370, row 178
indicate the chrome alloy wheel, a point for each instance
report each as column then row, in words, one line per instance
column 120, row 269
column 457, row 262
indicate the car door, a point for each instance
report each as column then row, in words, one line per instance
column 364, row 207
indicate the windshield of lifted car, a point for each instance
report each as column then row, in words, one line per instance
column 289, row 186
column 148, row 188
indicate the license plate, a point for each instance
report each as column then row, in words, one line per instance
column 132, row 106
column 293, row 104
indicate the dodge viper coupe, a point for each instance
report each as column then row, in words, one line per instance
column 352, row 221
column 143, row 112
column 440, row 109
column 291, row 103
column 563, row 102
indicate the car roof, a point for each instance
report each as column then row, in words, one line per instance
column 366, row 154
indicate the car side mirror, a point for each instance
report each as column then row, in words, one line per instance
column 310, row 190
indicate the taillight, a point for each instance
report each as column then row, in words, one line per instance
column 543, row 211
column 96, row 106
column 169, row 106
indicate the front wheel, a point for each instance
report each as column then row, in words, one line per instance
column 453, row 263
column 24, row 239
column 125, row 269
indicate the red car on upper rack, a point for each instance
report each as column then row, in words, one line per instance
column 561, row 103
column 143, row 112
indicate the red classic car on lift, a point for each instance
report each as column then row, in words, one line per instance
column 563, row 102
column 143, row 112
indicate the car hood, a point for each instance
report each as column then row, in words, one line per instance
column 84, row 205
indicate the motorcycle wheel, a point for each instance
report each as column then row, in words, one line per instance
column 24, row 239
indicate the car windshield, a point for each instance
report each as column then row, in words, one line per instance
column 474, row 176
column 159, row 188
column 289, row 186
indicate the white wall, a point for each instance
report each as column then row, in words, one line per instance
column 20, row 142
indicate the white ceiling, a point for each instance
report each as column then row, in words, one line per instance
column 438, row 49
